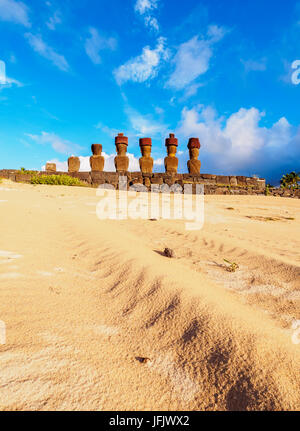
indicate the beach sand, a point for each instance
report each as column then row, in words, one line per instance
column 97, row 318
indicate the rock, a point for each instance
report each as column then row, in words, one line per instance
column 168, row 252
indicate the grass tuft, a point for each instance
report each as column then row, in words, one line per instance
column 57, row 180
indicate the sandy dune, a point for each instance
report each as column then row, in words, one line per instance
column 83, row 299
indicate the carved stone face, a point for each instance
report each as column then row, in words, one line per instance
column 146, row 150
column 194, row 153
column 73, row 164
column 121, row 149
column 97, row 149
column 171, row 149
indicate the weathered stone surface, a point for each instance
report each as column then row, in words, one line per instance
column 261, row 184
column 194, row 164
column 97, row 163
column 156, row 180
column 121, row 160
column 171, row 161
column 82, row 176
column 221, row 179
column 241, row 180
column 146, row 161
column 73, row 164
column 22, row 178
column 233, row 181
column 96, row 160
column 50, row 167
column 208, row 176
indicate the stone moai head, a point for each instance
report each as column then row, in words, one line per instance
column 121, row 142
column 146, row 161
column 73, row 164
column 50, row 167
column 171, row 161
column 96, row 149
column 171, row 144
column 194, row 164
column 121, row 160
column 96, row 160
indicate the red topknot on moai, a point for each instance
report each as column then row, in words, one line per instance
column 194, row 164
column 171, row 161
column 97, row 160
column 146, row 161
column 121, row 160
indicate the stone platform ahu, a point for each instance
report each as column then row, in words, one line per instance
column 213, row 184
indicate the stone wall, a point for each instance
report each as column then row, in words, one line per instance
column 213, row 184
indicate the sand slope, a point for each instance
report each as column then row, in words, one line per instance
column 84, row 299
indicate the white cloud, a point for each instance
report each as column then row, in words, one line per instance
column 152, row 22
column 143, row 6
column 144, row 125
column 95, row 43
column 239, row 143
column 54, row 20
column 145, row 9
column 193, row 59
column 216, row 33
column 14, row 11
column 139, row 125
column 58, row 144
column 39, row 46
column 145, row 66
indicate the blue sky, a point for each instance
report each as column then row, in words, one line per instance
column 80, row 71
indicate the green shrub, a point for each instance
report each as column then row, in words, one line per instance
column 58, row 180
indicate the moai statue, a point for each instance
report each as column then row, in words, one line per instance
column 50, row 167
column 171, row 161
column 146, row 161
column 96, row 160
column 73, row 164
column 121, row 160
column 194, row 164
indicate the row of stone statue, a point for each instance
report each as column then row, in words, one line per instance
column 146, row 161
